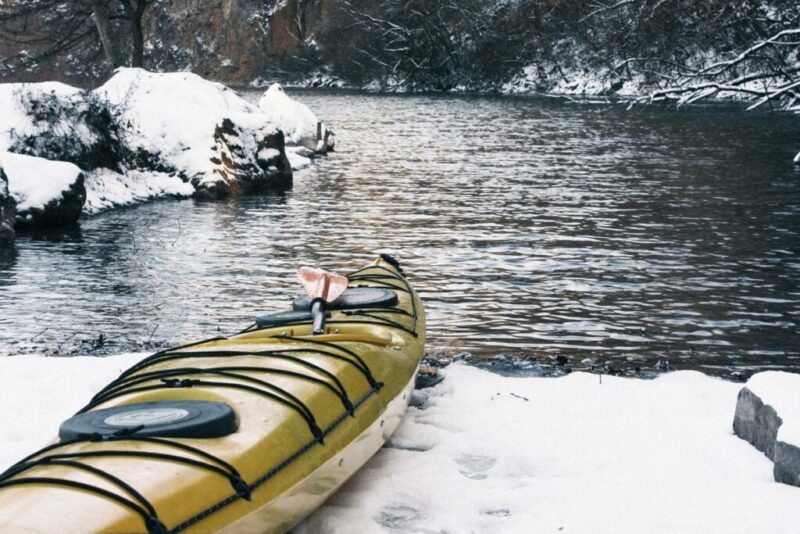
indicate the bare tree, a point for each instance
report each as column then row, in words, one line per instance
column 766, row 72
column 47, row 30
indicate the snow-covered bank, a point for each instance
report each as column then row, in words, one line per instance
column 145, row 135
column 485, row 453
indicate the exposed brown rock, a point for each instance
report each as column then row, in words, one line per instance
column 242, row 169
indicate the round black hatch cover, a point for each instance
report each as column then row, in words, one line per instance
column 355, row 297
column 174, row 419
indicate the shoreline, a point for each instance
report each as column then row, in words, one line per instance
column 489, row 453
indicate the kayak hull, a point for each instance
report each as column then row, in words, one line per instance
column 307, row 495
column 310, row 411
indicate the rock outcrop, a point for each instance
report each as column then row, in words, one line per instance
column 768, row 417
column 145, row 135
column 7, row 211
column 203, row 131
column 47, row 193
column 227, row 40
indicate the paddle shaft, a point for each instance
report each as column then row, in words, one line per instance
column 318, row 312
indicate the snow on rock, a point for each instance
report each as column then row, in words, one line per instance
column 298, row 122
column 149, row 134
column 299, row 157
column 107, row 189
column 491, row 454
column 47, row 193
column 201, row 129
column 768, row 417
column 17, row 120
column 7, row 211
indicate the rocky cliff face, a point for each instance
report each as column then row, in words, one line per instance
column 225, row 40
column 231, row 41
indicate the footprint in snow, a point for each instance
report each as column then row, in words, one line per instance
column 397, row 517
column 475, row 466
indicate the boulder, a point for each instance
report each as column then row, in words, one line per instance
column 47, row 193
column 62, row 123
column 202, row 130
column 7, row 211
column 768, row 417
column 297, row 121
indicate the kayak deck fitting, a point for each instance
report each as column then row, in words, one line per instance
column 248, row 433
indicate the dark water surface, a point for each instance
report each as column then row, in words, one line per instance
column 533, row 228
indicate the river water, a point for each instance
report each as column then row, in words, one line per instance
column 533, row 228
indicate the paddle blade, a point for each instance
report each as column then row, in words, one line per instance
column 320, row 284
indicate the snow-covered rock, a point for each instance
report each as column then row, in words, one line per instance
column 298, row 122
column 146, row 135
column 47, row 193
column 768, row 417
column 7, row 210
column 58, row 122
column 202, row 130
column 23, row 111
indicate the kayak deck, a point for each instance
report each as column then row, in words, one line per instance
column 310, row 411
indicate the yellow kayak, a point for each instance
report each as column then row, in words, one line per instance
column 248, row 433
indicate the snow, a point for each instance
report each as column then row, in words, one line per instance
column 797, row 158
column 34, row 182
column 486, row 453
column 780, row 390
column 176, row 115
column 107, row 189
column 12, row 113
column 578, row 81
column 299, row 157
column 39, row 393
column 297, row 121
column 268, row 153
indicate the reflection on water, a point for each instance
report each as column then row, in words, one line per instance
column 531, row 228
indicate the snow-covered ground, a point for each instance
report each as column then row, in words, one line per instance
column 486, row 453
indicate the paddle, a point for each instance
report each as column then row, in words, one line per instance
column 323, row 288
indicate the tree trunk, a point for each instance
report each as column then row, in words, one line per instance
column 102, row 21
column 134, row 10
column 137, row 40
